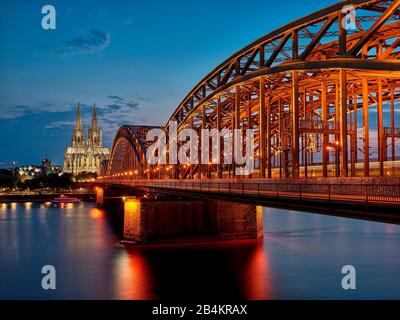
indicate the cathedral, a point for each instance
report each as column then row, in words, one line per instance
column 85, row 156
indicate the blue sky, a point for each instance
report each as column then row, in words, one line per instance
column 136, row 59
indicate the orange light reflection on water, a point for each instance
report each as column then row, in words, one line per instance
column 132, row 277
column 3, row 207
column 96, row 213
column 258, row 279
column 67, row 205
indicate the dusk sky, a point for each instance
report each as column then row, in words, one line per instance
column 136, row 59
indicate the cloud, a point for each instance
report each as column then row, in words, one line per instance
column 115, row 112
column 11, row 114
column 16, row 111
column 134, row 106
column 120, row 103
column 58, row 119
column 115, row 98
column 127, row 21
column 60, row 124
column 114, row 106
column 143, row 99
column 96, row 41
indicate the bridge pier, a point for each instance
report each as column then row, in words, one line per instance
column 189, row 220
column 99, row 197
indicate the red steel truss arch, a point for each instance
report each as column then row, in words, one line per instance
column 316, row 92
column 128, row 154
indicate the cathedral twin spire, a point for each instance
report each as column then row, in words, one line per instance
column 78, row 122
column 94, row 118
column 85, row 155
column 94, row 132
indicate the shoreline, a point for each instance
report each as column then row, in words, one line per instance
column 21, row 198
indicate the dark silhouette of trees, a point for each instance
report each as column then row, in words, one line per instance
column 7, row 179
column 53, row 181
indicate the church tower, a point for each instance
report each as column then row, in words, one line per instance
column 78, row 134
column 94, row 134
column 85, row 156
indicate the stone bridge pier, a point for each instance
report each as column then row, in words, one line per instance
column 177, row 219
column 190, row 219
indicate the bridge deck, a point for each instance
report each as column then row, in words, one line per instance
column 361, row 193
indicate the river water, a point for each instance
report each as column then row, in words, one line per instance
column 300, row 257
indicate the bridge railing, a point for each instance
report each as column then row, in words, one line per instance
column 365, row 193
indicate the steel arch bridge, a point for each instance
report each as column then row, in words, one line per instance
column 319, row 92
column 128, row 154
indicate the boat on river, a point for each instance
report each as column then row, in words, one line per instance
column 65, row 199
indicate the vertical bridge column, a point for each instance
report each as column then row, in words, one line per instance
column 381, row 145
column 220, row 142
column 269, row 129
column 236, row 125
column 354, row 137
column 365, row 97
column 325, row 142
column 295, row 126
column 295, row 110
column 262, row 128
column 343, row 123
column 392, row 113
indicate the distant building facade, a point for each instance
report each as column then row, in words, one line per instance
column 34, row 171
column 85, row 156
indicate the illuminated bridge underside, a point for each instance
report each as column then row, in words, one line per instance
column 322, row 99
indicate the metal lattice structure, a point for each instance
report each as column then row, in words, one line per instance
column 128, row 154
column 304, row 88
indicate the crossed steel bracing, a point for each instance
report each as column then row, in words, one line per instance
column 315, row 91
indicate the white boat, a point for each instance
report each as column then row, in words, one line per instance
column 65, row 199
